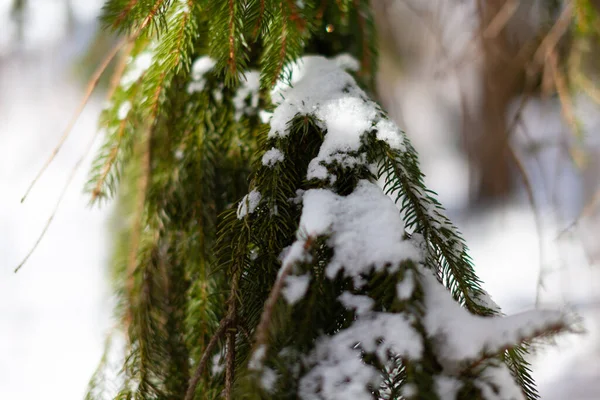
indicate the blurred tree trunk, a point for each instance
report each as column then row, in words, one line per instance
column 502, row 80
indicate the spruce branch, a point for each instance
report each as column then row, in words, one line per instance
column 262, row 329
column 230, row 336
column 223, row 325
column 112, row 157
column 124, row 13
column 138, row 220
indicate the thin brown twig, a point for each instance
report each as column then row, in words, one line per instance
column 230, row 341
column 366, row 52
column 143, row 183
column 231, row 60
column 587, row 210
column 552, row 330
column 262, row 330
column 112, row 157
column 225, row 323
column 93, row 82
column 536, row 216
column 59, row 201
column 563, row 90
column 124, row 13
column 295, row 16
column 282, row 50
column 112, row 87
column 556, row 32
column 501, row 18
column 259, row 19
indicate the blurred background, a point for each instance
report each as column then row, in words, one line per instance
column 498, row 96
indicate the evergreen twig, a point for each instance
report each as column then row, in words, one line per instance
column 225, row 323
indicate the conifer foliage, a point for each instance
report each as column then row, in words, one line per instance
column 276, row 238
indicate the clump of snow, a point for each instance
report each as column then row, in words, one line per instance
column 321, row 87
column 136, row 67
column 391, row 134
column 359, row 303
column 199, row 68
column 409, row 390
column 248, row 204
column 366, row 230
column 256, row 361
column 406, row 287
column 246, row 98
column 447, row 387
column 459, row 335
column 217, row 364
column 295, row 288
column 340, row 373
column 124, row 109
column 272, row 156
column 268, row 379
column 497, row 383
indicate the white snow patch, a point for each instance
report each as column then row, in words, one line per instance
column 360, row 303
column 391, row 134
column 217, row 364
column 249, row 203
column 256, row 361
column 136, row 67
column 406, row 287
column 460, row 335
column 295, row 288
column 272, row 156
column 124, row 110
column 447, row 387
column 321, row 87
column 268, row 379
column 340, row 373
column 249, row 89
column 366, row 229
column 497, row 383
column 409, row 390
column 199, row 68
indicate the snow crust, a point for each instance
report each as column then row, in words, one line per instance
column 366, row 230
column 248, row 203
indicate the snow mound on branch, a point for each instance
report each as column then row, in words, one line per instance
column 249, row 203
column 200, row 67
column 272, row 156
column 321, row 87
column 461, row 336
column 246, row 97
column 136, row 66
column 340, row 373
column 365, row 228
